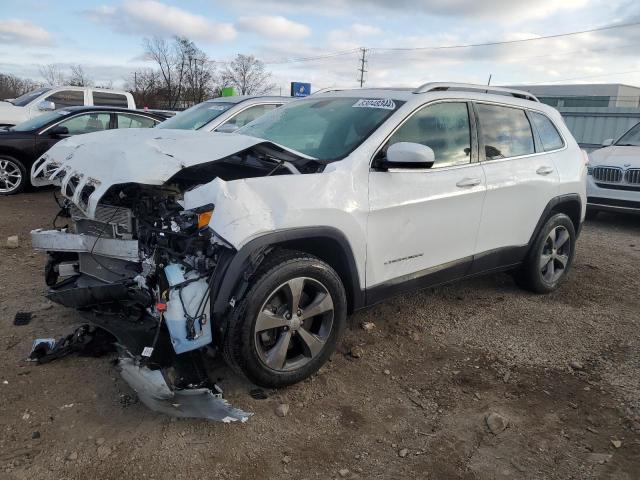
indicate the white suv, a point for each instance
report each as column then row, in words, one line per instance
column 262, row 241
column 45, row 99
column 614, row 175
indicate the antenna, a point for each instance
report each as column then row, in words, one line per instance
column 363, row 62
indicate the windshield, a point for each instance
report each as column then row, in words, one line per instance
column 197, row 116
column 23, row 100
column 39, row 121
column 631, row 138
column 323, row 128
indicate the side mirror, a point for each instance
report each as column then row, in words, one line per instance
column 59, row 131
column 46, row 105
column 608, row 142
column 227, row 128
column 408, row 155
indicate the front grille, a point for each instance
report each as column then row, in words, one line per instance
column 607, row 174
column 633, row 176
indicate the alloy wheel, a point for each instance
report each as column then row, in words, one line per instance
column 294, row 324
column 10, row 176
column 555, row 254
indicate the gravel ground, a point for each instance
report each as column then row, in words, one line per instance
column 562, row 371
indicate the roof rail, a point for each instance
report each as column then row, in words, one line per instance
column 468, row 87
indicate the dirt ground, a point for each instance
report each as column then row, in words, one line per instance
column 564, row 369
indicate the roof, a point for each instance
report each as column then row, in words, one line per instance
column 96, row 108
column 242, row 98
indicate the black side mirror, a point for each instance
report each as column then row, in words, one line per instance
column 59, row 131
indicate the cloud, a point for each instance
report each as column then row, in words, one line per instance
column 151, row 17
column 23, row 32
column 509, row 10
column 351, row 37
column 274, row 27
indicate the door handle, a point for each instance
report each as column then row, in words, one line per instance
column 544, row 170
column 469, row 182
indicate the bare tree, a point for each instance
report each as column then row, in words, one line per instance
column 247, row 75
column 198, row 74
column 52, row 74
column 78, row 77
column 146, row 86
column 171, row 66
column 12, row 86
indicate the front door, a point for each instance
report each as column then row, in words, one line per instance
column 423, row 224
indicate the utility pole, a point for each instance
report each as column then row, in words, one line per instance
column 363, row 62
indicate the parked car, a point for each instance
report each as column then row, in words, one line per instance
column 224, row 114
column 614, row 175
column 261, row 242
column 46, row 99
column 22, row 144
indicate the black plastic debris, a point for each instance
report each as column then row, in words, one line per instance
column 22, row 318
column 86, row 341
column 258, row 394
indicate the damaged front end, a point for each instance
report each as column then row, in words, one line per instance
column 140, row 265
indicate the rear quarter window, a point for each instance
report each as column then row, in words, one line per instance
column 547, row 131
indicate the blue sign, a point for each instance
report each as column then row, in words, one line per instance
column 299, row 89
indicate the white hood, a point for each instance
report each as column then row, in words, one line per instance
column 12, row 115
column 615, row 156
column 97, row 161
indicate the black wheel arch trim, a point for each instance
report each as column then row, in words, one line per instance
column 250, row 256
column 553, row 204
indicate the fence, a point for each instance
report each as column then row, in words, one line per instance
column 592, row 125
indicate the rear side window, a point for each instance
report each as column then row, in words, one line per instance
column 548, row 133
column 506, row 131
column 250, row 114
column 67, row 98
column 105, row 99
column 129, row 120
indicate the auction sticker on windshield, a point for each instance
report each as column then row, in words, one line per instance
column 384, row 103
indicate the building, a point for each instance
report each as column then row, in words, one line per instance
column 586, row 95
column 593, row 112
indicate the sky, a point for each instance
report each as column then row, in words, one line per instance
column 106, row 38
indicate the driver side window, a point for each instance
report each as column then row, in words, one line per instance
column 87, row 123
column 444, row 127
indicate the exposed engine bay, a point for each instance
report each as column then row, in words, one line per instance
column 144, row 268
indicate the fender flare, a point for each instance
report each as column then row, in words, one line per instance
column 251, row 255
column 553, row 204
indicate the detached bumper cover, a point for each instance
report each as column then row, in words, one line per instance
column 153, row 391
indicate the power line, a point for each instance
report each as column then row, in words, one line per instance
column 509, row 42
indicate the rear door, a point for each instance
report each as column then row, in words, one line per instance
column 521, row 179
column 423, row 224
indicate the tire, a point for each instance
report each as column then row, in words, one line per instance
column 272, row 350
column 591, row 214
column 10, row 169
column 550, row 257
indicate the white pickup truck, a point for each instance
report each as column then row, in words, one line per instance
column 44, row 99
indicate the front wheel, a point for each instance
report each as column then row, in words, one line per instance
column 550, row 257
column 289, row 322
column 13, row 175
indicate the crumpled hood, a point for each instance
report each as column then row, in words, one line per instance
column 86, row 166
column 616, row 156
column 12, row 115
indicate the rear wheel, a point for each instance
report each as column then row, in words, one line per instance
column 289, row 322
column 13, row 175
column 550, row 257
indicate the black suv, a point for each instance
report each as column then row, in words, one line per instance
column 22, row 144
